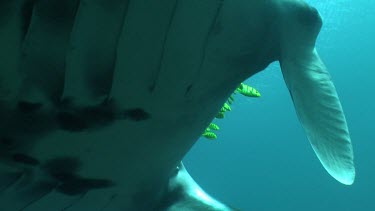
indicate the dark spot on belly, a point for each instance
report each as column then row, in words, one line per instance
column 75, row 118
column 62, row 165
column 71, row 122
column 188, row 89
column 136, row 114
column 25, row 159
column 72, row 184
column 64, row 171
column 28, row 107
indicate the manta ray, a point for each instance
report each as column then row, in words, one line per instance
column 101, row 99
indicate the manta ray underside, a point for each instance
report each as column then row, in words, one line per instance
column 101, row 99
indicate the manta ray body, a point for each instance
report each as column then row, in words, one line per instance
column 101, row 99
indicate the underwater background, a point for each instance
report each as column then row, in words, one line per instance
column 262, row 160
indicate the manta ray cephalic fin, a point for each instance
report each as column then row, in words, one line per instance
column 314, row 95
column 320, row 113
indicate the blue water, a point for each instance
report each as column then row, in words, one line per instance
column 262, row 159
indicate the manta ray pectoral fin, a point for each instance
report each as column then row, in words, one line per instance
column 315, row 98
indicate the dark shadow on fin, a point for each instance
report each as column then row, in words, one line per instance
column 136, row 114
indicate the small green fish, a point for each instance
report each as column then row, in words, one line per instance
column 247, row 91
column 209, row 135
column 213, row 126
column 243, row 89
column 227, row 107
column 220, row 115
